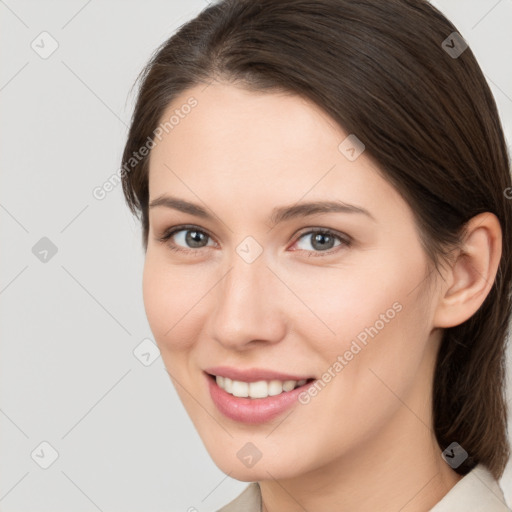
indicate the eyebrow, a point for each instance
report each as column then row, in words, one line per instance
column 279, row 214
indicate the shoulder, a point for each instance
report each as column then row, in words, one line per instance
column 248, row 501
column 477, row 491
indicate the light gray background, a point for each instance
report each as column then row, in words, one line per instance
column 69, row 326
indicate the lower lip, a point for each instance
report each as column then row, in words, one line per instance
column 252, row 410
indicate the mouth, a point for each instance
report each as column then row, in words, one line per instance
column 255, row 402
column 258, row 389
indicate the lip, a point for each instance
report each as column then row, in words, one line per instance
column 253, row 410
column 253, row 374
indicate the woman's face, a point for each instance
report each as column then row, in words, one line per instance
column 251, row 289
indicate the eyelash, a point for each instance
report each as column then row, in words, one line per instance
column 345, row 240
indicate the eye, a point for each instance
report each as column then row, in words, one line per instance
column 190, row 238
column 322, row 241
column 186, row 238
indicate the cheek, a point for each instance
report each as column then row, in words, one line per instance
column 382, row 343
column 338, row 304
column 169, row 300
column 373, row 314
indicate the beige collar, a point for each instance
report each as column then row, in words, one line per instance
column 477, row 491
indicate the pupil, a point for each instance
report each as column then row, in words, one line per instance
column 322, row 236
column 194, row 237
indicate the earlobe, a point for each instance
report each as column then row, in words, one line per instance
column 471, row 276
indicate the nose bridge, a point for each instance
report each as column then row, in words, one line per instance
column 247, row 307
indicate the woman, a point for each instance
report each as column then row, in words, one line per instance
column 323, row 188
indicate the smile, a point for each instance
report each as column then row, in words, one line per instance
column 254, row 402
column 259, row 389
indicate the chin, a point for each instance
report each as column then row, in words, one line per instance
column 273, row 465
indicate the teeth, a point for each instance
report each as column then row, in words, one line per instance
column 275, row 387
column 259, row 389
column 228, row 385
column 288, row 385
column 240, row 388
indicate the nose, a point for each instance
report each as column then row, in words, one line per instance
column 248, row 310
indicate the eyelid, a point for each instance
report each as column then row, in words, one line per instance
column 346, row 240
column 318, row 229
column 170, row 232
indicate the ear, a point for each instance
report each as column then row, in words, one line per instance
column 470, row 278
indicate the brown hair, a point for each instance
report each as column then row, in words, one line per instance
column 427, row 118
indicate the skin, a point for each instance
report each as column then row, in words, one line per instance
column 365, row 442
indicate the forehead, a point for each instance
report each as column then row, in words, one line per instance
column 236, row 145
column 246, row 124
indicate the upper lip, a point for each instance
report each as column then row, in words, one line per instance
column 253, row 374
